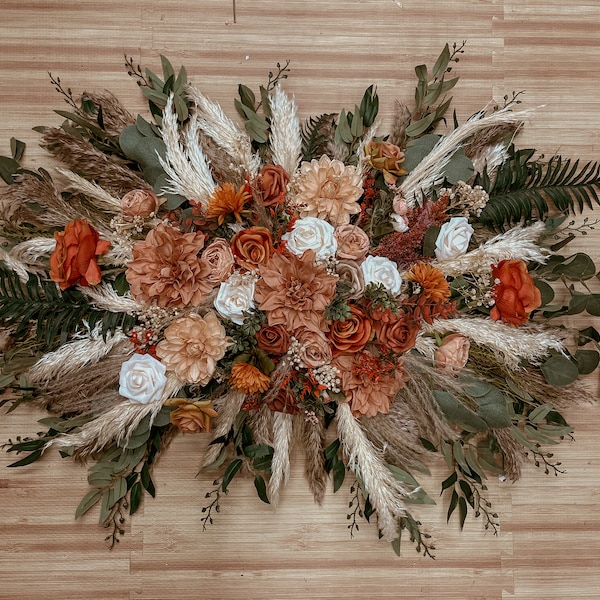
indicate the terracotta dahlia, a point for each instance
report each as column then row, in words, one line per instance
column 329, row 190
column 294, row 292
column 192, row 347
column 166, row 269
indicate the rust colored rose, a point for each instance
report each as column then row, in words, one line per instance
column 219, row 258
column 74, row 258
column 351, row 334
column 453, row 352
column 387, row 158
column 272, row 182
column 285, row 402
column 315, row 350
column 191, row 417
column 396, row 332
column 273, row 339
column 139, row 203
column 353, row 242
column 252, row 247
column 515, row 293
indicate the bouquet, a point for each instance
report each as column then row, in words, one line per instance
column 374, row 300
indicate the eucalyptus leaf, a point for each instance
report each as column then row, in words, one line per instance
column 558, row 370
column 87, row 502
column 587, row 361
column 458, row 413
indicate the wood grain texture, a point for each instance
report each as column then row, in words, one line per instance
column 549, row 542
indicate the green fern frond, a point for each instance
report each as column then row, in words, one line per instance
column 524, row 189
column 55, row 313
column 316, row 132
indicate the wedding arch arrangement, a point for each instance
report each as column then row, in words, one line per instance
column 376, row 300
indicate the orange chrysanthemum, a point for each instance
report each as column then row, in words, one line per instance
column 434, row 286
column 249, row 379
column 226, row 200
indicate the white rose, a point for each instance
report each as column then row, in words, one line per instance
column 453, row 238
column 378, row 269
column 142, row 379
column 235, row 296
column 311, row 233
column 399, row 223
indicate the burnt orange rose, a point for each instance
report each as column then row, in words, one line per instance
column 139, row 203
column 352, row 334
column 396, row 332
column 387, row 158
column 74, row 259
column 515, row 293
column 272, row 182
column 252, row 247
column 284, row 401
column 273, row 339
column 191, row 417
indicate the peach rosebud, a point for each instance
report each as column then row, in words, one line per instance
column 352, row 242
column 74, row 258
column 453, row 353
column 252, row 247
column 218, row 256
column 272, row 182
column 139, row 203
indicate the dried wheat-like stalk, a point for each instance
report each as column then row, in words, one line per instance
column 285, row 139
column 280, row 465
column 313, row 435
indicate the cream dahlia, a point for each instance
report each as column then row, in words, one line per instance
column 192, row 347
column 329, row 190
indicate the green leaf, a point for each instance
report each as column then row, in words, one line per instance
column 17, row 148
column 342, row 130
column 441, row 64
column 258, row 450
column 421, row 126
column 232, row 469
column 558, row 370
column 29, row 459
column 261, row 488
column 87, row 502
column 135, row 497
column 459, row 168
column 546, row 291
column 339, row 474
column 587, row 361
column 8, row 168
column 247, row 97
column 167, row 67
column 458, row 413
column 538, row 414
column 120, row 488
column 146, row 480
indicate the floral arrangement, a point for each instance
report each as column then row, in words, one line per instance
column 374, row 300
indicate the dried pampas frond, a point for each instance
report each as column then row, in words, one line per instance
column 187, row 170
column 510, row 343
column 313, row 436
column 80, row 156
column 419, row 182
column 227, row 407
column 285, row 139
column 261, row 425
column 399, row 124
column 115, row 425
column 384, row 491
column 215, row 123
column 115, row 117
column 102, row 199
column 280, row 465
column 517, row 243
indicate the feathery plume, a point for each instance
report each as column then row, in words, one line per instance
column 188, row 172
column 103, row 200
column 429, row 171
column 313, row 435
column 385, row 492
column 280, row 465
column 285, row 138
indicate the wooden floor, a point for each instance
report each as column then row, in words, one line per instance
column 549, row 542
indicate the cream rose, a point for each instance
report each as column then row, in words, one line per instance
column 381, row 270
column 453, row 238
column 311, row 233
column 142, row 379
column 353, row 243
column 399, row 223
column 235, row 297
